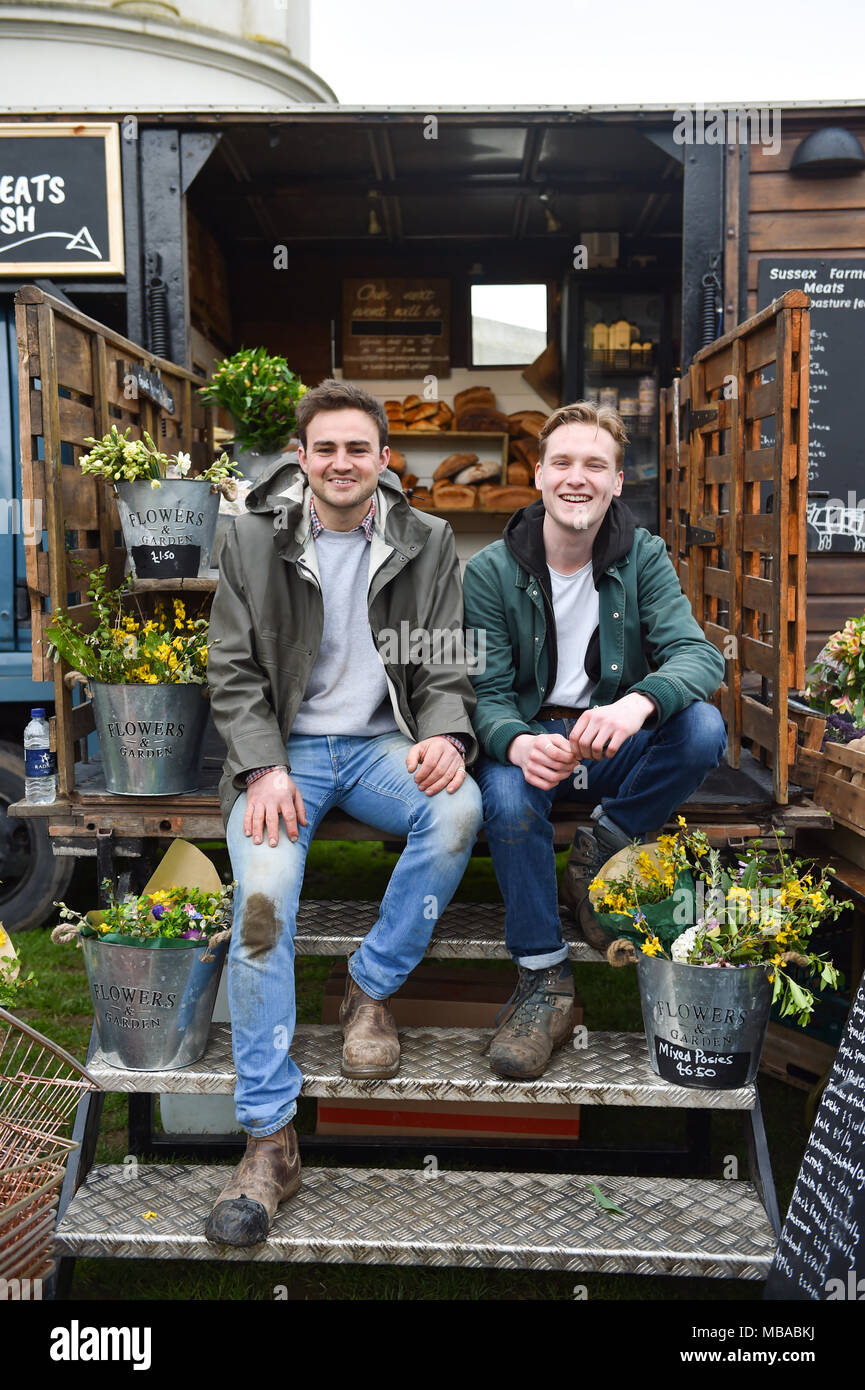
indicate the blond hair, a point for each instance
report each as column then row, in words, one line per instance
column 603, row 417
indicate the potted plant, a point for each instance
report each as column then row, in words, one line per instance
column 836, row 682
column 260, row 392
column 147, row 675
column 153, row 961
column 169, row 536
column 716, row 952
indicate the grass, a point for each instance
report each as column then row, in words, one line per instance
column 59, row 1006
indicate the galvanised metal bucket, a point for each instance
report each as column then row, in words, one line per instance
column 704, row 1027
column 153, row 1005
column 150, row 736
column 168, row 531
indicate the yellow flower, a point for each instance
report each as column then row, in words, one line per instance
column 163, row 651
column 652, row 947
column 819, row 900
column 596, row 885
column 680, row 820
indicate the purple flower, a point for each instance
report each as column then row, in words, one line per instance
column 192, row 934
column 191, row 912
column 158, row 911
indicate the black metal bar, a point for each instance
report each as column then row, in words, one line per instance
column 129, row 166
column 702, row 235
column 162, row 233
column 760, row 1164
column 744, row 206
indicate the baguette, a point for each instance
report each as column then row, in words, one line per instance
column 449, row 495
column 454, row 463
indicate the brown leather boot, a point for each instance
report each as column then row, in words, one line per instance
column 370, row 1040
column 538, row 1019
column 268, row 1173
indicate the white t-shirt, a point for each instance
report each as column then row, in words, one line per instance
column 576, row 608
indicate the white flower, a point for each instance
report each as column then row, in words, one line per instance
column 683, row 945
column 184, row 463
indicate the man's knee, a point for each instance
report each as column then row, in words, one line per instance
column 706, row 732
column 510, row 803
column 457, row 817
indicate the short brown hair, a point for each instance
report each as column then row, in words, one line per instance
column 331, row 394
column 604, row 417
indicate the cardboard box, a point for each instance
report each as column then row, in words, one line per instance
column 439, row 995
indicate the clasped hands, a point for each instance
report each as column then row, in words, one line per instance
column 436, row 763
column 546, row 759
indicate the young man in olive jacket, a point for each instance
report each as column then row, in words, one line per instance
column 322, row 703
column 595, row 689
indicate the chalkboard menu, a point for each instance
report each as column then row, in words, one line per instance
column 396, row 328
column 60, row 199
column 818, row 1255
column 836, row 455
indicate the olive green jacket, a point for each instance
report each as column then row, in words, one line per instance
column 647, row 637
column 268, row 615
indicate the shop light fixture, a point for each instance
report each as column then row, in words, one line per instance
column 828, row 153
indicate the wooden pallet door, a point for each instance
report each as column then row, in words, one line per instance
column 77, row 379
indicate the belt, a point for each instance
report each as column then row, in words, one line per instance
column 548, row 712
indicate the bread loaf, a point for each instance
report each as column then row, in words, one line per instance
column 529, row 422
column 474, row 395
column 449, row 495
column 453, row 464
column 525, row 451
column 409, row 481
column 411, row 401
column 518, row 475
column 444, row 414
column 397, row 461
column 481, row 418
column 422, row 499
column 422, row 425
column 425, row 411
column 508, row 498
column 479, row 473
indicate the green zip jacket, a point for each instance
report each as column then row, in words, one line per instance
column 647, row 637
column 267, row 619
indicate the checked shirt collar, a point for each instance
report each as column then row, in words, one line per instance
column 367, row 525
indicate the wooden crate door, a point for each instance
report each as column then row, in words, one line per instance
column 734, row 479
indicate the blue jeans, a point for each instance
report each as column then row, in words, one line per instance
column 368, row 778
column 638, row 789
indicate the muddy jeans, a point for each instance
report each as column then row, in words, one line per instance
column 366, row 777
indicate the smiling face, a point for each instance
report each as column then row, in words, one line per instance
column 579, row 477
column 342, row 461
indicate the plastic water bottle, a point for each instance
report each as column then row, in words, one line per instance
column 40, row 776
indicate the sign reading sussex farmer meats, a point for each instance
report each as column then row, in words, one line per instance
column 60, row 199
column 396, row 328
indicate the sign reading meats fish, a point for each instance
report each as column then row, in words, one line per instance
column 820, row 1254
column 61, row 206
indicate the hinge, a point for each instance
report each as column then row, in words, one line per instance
column 694, row 419
column 699, row 535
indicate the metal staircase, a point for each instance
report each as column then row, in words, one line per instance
column 432, row 1216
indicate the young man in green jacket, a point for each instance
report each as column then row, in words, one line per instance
column 595, row 689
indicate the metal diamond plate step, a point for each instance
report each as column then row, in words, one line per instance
column 446, row 1064
column 714, row 1229
column 468, row 931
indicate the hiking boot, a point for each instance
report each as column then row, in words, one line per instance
column 269, row 1173
column 590, row 851
column 370, row 1040
column 538, row 1018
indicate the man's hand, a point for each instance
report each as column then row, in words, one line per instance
column 439, row 764
column 545, row 759
column 600, row 732
column 268, row 798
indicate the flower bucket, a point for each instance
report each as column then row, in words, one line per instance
column 168, row 531
column 150, row 736
column 153, row 1001
column 705, row 1026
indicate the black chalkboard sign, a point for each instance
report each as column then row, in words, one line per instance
column 836, row 519
column 819, row 1256
column 166, row 561
column 60, row 199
